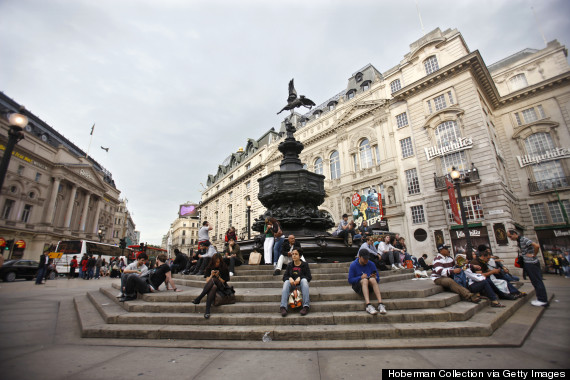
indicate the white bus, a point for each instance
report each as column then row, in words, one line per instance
column 70, row 248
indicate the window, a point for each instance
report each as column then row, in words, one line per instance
column 183, row 241
column 230, row 195
column 20, row 169
column 445, row 134
column 439, row 102
column 31, row 195
column 365, row 86
column 230, row 209
column 318, row 166
column 473, row 208
column 407, row 148
column 418, row 214
column 377, row 155
column 555, row 212
column 538, row 213
column 231, row 177
column 358, row 77
column 248, row 166
column 402, row 120
column 317, row 114
column 355, row 160
column 350, row 94
column 517, row 82
column 331, row 106
column 38, row 177
column 431, row 65
column 412, row 181
column 303, row 122
column 26, row 213
column 365, row 154
column 450, row 95
column 247, row 185
column 546, row 172
column 183, row 232
column 7, row 210
column 395, row 85
column 529, row 115
column 335, row 165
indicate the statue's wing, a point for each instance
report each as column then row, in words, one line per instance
column 307, row 102
column 292, row 92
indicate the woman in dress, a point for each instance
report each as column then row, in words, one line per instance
column 217, row 277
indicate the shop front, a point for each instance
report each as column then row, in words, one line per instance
column 478, row 233
column 553, row 241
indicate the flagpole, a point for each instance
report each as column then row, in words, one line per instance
column 90, row 139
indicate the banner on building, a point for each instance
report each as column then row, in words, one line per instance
column 500, row 234
column 367, row 207
column 452, row 201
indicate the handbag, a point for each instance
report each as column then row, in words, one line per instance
column 225, row 296
column 254, row 258
column 295, row 299
column 519, row 261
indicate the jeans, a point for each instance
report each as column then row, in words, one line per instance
column 90, row 273
column 287, row 289
column 485, row 288
column 277, row 248
column 136, row 284
column 534, row 274
column 40, row 275
column 81, row 272
column 97, row 272
column 232, row 262
column 392, row 257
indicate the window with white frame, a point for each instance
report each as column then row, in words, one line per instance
column 365, row 86
column 395, row 85
column 377, row 155
column 335, row 165
column 230, row 209
column 26, row 213
column 431, row 65
column 350, row 94
column 317, row 114
column 447, row 133
column 248, row 185
column 530, row 114
column 517, row 82
column 7, row 210
column 365, row 154
column 355, row 160
column 402, row 120
column 412, row 181
column 418, row 215
column 318, row 165
column 450, row 96
column 407, row 148
column 546, row 172
column 538, row 213
column 555, row 212
column 473, row 208
column 248, row 166
column 439, row 102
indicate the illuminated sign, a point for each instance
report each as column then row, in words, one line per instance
column 458, row 145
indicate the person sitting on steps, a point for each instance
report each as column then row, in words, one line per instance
column 286, row 251
column 297, row 273
column 390, row 255
column 363, row 276
column 217, row 277
column 233, row 257
column 345, row 230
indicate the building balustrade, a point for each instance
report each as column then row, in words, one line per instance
column 549, row 185
column 467, row 177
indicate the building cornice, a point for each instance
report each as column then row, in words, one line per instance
column 251, row 172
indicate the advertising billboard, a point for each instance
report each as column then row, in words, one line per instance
column 367, row 206
column 188, row 210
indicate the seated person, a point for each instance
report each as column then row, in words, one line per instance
column 390, row 256
column 180, row 261
column 368, row 246
column 363, row 276
column 400, row 244
column 443, row 272
column 363, row 232
column 297, row 273
column 496, row 262
column 233, row 257
column 423, row 264
column 345, row 230
column 217, row 277
column 136, row 268
column 481, row 285
column 503, row 289
column 150, row 283
column 286, row 253
column 204, row 260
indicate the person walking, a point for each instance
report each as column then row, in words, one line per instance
column 72, row 266
column 529, row 250
column 42, row 267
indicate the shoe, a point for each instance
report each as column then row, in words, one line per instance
column 277, row 272
column 127, row 298
column 120, row 295
column 200, row 273
column 371, row 310
column 152, row 290
column 382, row 309
column 539, row 303
column 349, row 240
column 394, row 267
column 475, row 298
column 231, row 274
column 283, row 311
column 497, row 304
column 196, row 301
column 509, row 297
column 304, row 310
column 207, row 315
column 400, row 266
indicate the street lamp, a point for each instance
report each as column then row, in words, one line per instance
column 248, row 204
column 456, row 177
column 100, row 233
column 17, row 123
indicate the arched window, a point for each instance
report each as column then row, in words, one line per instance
column 331, row 106
column 358, row 77
column 365, row 154
column 395, row 85
column 335, row 165
column 317, row 114
column 445, row 134
column 365, row 85
column 350, row 94
column 545, row 173
column 517, row 82
column 303, row 122
column 431, row 65
column 319, row 166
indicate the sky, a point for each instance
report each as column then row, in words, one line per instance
column 175, row 86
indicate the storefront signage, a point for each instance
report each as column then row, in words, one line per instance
column 559, row 233
column 25, row 158
column 549, row 155
column 460, row 234
column 478, row 235
column 2, row 242
column 458, row 145
column 86, row 174
column 20, row 244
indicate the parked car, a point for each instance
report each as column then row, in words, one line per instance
column 13, row 269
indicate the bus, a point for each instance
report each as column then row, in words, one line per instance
column 70, row 248
column 151, row 251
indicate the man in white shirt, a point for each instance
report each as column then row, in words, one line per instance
column 136, row 268
column 389, row 254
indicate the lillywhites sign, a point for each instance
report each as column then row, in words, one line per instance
column 549, row 155
column 461, row 234
column 558, row 233
column 458, row 145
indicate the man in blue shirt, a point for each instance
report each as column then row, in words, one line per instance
column 363, row 275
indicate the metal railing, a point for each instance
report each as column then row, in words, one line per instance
column 466, row 177
column 549, row 184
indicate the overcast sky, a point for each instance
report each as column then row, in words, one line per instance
column 175, row 86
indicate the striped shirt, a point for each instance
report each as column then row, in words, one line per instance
column 443, row 266
column 525, row 246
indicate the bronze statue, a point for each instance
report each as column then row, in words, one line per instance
column 294, row 102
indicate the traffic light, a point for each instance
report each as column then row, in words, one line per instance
column 122, row 243
column 142, row 247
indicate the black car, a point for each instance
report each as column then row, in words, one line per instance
column 13, row 269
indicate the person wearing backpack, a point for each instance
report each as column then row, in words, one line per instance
column 297, row 275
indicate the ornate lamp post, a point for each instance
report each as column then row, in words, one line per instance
column 456, row 176
column 17, row 124
column 248, row 204
column 100, row 233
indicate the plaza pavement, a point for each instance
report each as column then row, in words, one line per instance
column 40, row 339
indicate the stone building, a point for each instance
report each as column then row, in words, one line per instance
column 400, row 132
column 183, row 232
column 51, row 191
column 124, row 226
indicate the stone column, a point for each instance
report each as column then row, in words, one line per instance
column 85, row 210
column 51, row 205
column 70, row 205
column 97, row 213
